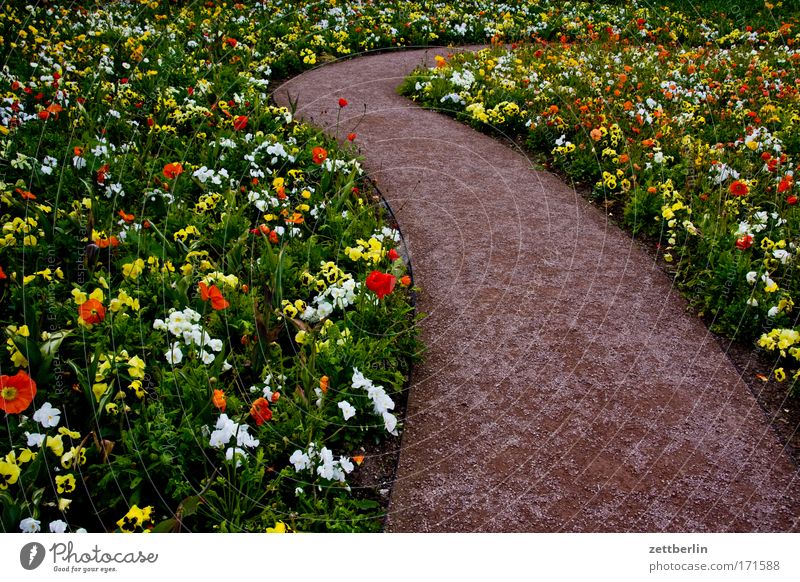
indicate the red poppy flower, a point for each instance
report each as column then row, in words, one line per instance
column 3, row 274
column 351, row 136
column 785, row 184
column 744, row 242
column 231, row 42
column 791, row 200
column 219, row 401
column 405, row 280
column 213, row 293
column 173, row 170
column 16, row 392
column 393, row 256
column 260, row 411
column 319, row 155
column 91, row 312
column 240, row 122
column 102, row 174
column 273, row 237
column 738, row 188
column 342, row 102
column 382, row 284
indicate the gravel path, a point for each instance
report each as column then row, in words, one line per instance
column 565, row 387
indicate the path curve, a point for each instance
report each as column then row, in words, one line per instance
column 565, row 386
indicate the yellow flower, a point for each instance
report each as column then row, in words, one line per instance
column 780, row 375
column 55, row 444
column 79, row 297
column 65, row 483
column 9, row 473
column 136, row 367
column 99, row 389
column 63, row 504
column 136, row 517
column 280, row 527
column 73, row 434
column 74, row 455
column 136, row 386
column 301, row 337
column 134, row 269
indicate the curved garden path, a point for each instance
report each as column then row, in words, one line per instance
column 565, row 387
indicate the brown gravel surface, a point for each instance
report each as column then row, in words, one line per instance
column 565, row 386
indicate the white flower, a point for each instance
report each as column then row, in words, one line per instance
column 244, row 438
column 390, row 423
column 298, row 491
column 346, row 464
column 235, row 452
column 58, row 526
column 348, row 410
column 326, row 469
column 225, row 428
column 226, row 366
column 206, row 357
column 215, row 344
column 47, row 416
column 35, row 439
column 300, row 460
column 782, row 255
column 751, row 277
column 752, row 302
column 773, row 311
column 30, row 525
column 359, row 380
column 174, row 355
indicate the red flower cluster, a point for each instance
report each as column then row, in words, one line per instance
column 260, row 411
column 382, row 284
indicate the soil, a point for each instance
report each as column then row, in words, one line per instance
column 566, row 387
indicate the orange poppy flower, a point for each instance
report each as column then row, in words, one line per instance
column 319, row 155
column 173, row 170
column 219, row 401
column 213, row 293
column 324, row 382
column 126, row 217
column 25, row 194
column 16, row 392
column 91, row 312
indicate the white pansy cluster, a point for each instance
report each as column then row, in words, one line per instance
column 341, row 295
column 225, row 430
column 381, row 401
column 322, row 462
column 185, row 325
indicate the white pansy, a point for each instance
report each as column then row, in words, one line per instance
column 348, row 410
column 58, row 526
column 47, row 416
column 30, row 525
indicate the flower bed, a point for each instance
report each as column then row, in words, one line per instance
column 206, row 317
column 689, row 129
